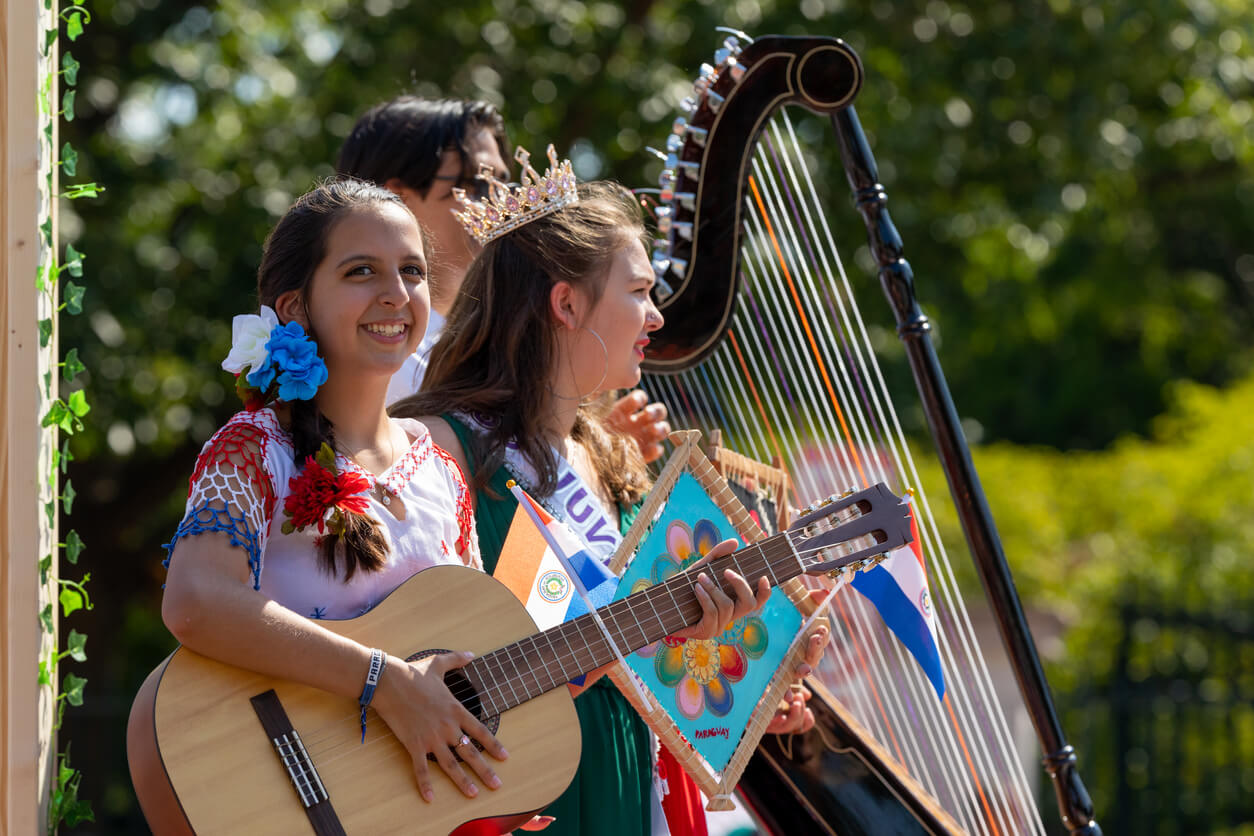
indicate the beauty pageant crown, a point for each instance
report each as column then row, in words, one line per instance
column 508, row 207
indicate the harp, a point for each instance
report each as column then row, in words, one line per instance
column 765, row 341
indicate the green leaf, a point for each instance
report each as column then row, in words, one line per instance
column 48, row 384
column 45, row 618
column 73, row 261
column 69, row 160
column 40, row 285
column 72, row 688
column 45, row 563
column 50, row 510
column 78, row 403
column 74, row 297
column 46, row 229
column 76, row 646
column 66, row 456
column 60, row 416
column 50, row 38
column 71, row 599
column 67, row 105
column 67, row 496
column 73, row 25
column 82, row 190
column 79, row 812
column 45, row 675
column 326, row 457
column 74, row 546
column 72, row 367
column 69, row 67
column 45, row 334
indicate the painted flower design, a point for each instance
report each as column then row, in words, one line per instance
column 702, row 671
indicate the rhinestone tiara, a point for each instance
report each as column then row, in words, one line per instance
column 509, row 206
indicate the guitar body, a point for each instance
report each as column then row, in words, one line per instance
column 202, row 763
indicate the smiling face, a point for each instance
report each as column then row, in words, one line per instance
column 623, row 317
column 452, row 248
column 367, row 302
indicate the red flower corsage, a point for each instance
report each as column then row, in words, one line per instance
column 320, row 496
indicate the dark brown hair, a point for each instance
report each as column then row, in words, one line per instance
column 496, row 354
column 406, row 138
column 291, row 255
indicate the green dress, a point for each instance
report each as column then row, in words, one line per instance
column 611, row 794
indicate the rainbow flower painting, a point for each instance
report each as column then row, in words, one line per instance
column 709, row 687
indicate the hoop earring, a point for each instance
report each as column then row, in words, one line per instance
column 605, row 352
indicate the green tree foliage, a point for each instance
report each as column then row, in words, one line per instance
column 1072, row 180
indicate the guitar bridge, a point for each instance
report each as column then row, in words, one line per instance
column 300, row 768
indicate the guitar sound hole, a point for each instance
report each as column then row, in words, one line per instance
column 466, row 694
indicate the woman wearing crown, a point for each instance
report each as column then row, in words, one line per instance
column 553, row 311
column 313, row 504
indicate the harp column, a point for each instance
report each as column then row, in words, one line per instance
column 913, row 328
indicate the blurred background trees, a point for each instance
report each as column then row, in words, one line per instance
column 1072, row 181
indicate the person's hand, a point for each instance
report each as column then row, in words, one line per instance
column 718, row 609
column 793, row 716
column 645, row 422
column 425, row 717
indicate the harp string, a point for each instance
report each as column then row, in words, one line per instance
column 867, row 639
column 731, row 389
column 992, row 715
column 959, row 697
column 773, row 188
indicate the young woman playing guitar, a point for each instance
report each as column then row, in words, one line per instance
column 313, row 503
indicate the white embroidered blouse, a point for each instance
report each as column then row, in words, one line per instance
column 239, row 487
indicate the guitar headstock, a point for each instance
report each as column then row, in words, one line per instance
column 843, row 534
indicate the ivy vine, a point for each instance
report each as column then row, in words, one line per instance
column 66, row 415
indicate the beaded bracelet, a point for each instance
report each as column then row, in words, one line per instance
column 378, row 661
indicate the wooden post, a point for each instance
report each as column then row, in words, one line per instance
column 27, row 744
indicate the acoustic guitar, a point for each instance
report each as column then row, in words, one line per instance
column 215, row 749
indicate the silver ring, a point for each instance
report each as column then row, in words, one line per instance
column 464, row 741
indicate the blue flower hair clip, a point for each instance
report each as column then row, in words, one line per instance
column 272, row 361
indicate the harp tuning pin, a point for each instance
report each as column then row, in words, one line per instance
column 736, row 70
column 700, row 87
column 673, row 163
column 683, row 229
column 663, row 217
column 667, row 193
column 679, row 266
column 661, row 155
column 723, row 55
column 667, row 179
column 679, row 126
column 714, row 100
column 660, row 263
column 732, row 44
column 688, row 200
column 707, row 71
column 688, row 104
column 674, row 143
column 698, row 135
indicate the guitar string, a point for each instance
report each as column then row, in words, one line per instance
column 750, row 564
column 983, row 682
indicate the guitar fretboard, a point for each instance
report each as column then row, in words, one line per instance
column 539, row 663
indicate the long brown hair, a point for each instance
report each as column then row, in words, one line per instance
column 291, row 255
column 496, row 355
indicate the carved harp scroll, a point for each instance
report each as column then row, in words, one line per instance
column 708, row 197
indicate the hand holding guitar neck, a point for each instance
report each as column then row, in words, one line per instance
column 718, row 608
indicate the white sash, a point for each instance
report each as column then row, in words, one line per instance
column 572, row 501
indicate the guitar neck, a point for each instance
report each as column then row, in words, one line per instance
column 539, row 663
